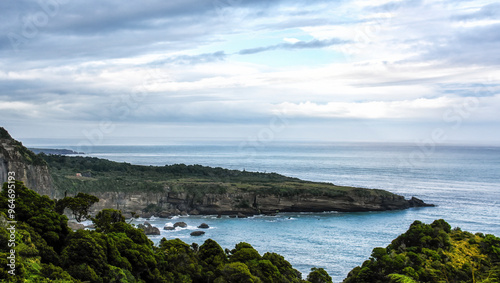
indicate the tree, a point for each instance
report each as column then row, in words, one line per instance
column 212, row 258
column 244, row 252
column 237, row 272
column 319, row 275
column 106, row 218
column 79, row 205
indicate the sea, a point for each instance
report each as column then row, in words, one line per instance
column 463, row 181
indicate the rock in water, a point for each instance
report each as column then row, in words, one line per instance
column 168, row 228
column 203, row 226
column 180, row 224
column 197, row 233
column 148, row 229
column 415, row 202
column 164, row 214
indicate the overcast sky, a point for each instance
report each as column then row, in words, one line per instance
column 370, row 70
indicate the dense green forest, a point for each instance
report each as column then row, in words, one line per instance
column 433, row 253
column 46, row 250
column 100, row 175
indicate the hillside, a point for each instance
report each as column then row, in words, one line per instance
column 196, row 189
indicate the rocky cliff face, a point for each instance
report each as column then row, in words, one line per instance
column 27, row 166
column 249, row 203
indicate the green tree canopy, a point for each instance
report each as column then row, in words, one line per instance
column 79, row 205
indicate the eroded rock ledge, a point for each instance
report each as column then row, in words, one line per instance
column 169, row 204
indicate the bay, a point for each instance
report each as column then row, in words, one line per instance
column 462, row 180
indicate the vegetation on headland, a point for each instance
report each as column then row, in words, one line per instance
column 104, row 175
column 433, row 253
column 46, row 250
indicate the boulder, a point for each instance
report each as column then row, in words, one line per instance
column 168, row 228
column 197, row 233
column 232, row 216
column 180, row 224
column 194, row 212
column 241, row 215
column 415, row 202
column 148, row 229
column 164, row 214
column 203, row 226
column 146, row 215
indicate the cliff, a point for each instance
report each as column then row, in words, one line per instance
column 168, row 203
column 27, row 166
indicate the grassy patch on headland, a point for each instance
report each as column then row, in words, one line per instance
column 104, row 175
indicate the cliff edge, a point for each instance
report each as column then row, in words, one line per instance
column 27, row 166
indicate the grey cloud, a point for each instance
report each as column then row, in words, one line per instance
column 490, row 11
column 113, row 29
column 476, row 45
column 290, row 46
column 194, row 59
column 395, row 5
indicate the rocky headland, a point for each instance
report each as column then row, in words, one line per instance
column 184, row 189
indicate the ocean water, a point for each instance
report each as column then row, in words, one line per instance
column 463, row 181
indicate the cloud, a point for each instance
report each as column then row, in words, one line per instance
column 368, row 60
column 291, row 46
column 405, row 109
column 194, row 59
column 489, row 11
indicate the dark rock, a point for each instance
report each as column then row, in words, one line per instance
column 168, row 228
column 197, row 233
column 415, row 202
column 194, row 212
column 232, row 216
column 184, row 213
column 180, row 224
column 241, row 215
column 219, row 216
column 164, row 214
column 148, row 229
column 146, row 215
column 203, row 226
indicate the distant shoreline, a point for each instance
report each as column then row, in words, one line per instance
column 55, row 151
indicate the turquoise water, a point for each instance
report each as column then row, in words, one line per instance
column 463, row 181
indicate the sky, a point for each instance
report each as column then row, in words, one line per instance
column 112, row 72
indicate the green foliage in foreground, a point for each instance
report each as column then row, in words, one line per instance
column 196, row 180
column 433, row 253
column 48, row 251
